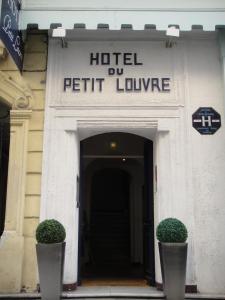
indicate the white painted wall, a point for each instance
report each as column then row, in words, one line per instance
column 59, row 187
column 190, row 167
column 208, row 166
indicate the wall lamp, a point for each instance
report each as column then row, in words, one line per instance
column 60, row 32
column 172, row 31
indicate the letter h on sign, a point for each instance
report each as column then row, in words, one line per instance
column 206, row 121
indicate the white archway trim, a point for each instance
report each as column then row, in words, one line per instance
column 61, row 166
column 62, row 137
column 145, row 128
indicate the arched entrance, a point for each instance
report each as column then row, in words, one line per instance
column 4, row 159
column 116, row 213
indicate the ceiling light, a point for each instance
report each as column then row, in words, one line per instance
column 113, row 145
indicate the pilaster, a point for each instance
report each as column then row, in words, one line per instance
column 12, row 242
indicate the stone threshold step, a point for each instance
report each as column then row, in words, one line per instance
column 78, row 296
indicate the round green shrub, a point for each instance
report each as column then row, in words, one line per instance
column 171, row 230
column 50, row 231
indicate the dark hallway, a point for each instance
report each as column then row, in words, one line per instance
column 110, row 221
column 113, row 197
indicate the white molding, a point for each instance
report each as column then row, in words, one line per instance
column 115, row 19
column 117, row 5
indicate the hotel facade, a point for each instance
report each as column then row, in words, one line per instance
column 115, row 122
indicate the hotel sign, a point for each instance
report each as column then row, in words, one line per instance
column 115, row 64
column 9, row 30
column 114, row 74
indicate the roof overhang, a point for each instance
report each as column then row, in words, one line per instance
column 138, row 15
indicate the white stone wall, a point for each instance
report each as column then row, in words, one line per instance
column 190, row 166
column 208, row 166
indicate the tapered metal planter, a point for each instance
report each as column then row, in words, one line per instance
column 50, row 265
column 173, row 258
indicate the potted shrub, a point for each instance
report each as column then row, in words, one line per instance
column 172, row 235
column 50, row 247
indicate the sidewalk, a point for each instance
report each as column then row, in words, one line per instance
column 112, row 293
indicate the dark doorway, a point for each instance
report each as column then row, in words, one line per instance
column 116, row 213
column 4, row 158
column 109, row 222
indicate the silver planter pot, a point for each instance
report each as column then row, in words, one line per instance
column 50, row 259
column 173, row 258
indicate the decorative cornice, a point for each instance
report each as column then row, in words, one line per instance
column 115, row 124
column 20, row 114
column 17, row 95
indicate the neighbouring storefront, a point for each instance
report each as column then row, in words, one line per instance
column 133, row 132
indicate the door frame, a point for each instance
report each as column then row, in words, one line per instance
column 150, row 195
column 72, row 127
column 148, row 215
